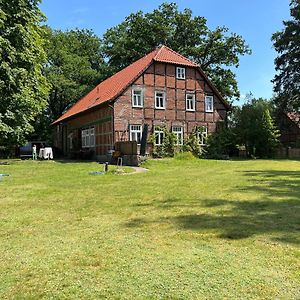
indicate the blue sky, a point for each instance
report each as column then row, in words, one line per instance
column 255, row 20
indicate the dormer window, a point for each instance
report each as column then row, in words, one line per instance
column 180, row 73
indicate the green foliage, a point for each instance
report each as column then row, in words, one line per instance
column 168, row 146
column 287, row 64
column 191, row 144
column 215, row 50
column 222, row 143
column 184, row 156
column 254, row 128
column 23, row 88
column 75, row 65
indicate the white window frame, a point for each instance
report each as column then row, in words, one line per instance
column 190, row 102
column 159, row 133
column 161, row 98
column 178, row 131
column 202, row 136
column 180, row 73
column 135, row 133
column 88, row 137
column 209, row 103
column 137, row 98
column 92, row 136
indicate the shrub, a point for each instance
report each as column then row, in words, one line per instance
column 168, row 146
column 222, row 144
column 192, row 143
column 184, row 156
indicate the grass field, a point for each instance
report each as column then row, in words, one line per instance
column 187, row 229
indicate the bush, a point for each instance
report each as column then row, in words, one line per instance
column 168, row 146
column 192, row 144
column 184, row 156
column 222, row 144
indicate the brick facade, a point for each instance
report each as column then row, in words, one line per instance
column 111, row 120
column 162, row 77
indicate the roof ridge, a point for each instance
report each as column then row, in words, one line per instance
column 174, row 52
column 160, row 47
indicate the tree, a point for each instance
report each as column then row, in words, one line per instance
column 23, row 88
column 75, row 65
column 287, row 64
column 222, row 143
column 215, row 50
column 254, row 128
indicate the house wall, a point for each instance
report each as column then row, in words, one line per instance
column 101, row 119
column 162, row 77
column 111, row 123
column 290, row 132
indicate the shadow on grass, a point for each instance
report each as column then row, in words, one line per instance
column 276, row 210
column 248, row 218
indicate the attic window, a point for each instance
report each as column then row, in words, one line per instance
column 180, row 73
column 209, row 103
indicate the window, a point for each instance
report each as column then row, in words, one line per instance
column 178, row 131
column 160, row 100
column 202, row 135
column 209, row 103
column 70, row 137
column 92, row 137
column 190, row 102
column 84, row 138
column 159, row 136
column 137, row 98
column 180, row 73
column 88, row 137
column 135, row 132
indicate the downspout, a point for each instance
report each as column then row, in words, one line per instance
column 113, row 126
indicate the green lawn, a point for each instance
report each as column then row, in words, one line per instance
column 187, row 229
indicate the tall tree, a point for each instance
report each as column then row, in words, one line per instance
column 75, row 65
column 215, row 50
column 23, row 88
column 254, row 128
column 287, row 64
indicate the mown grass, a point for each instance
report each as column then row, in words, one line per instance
column 187, row 229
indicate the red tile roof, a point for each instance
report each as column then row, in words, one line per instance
column 113, row 86
column 168, row 55
column 294, row 117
